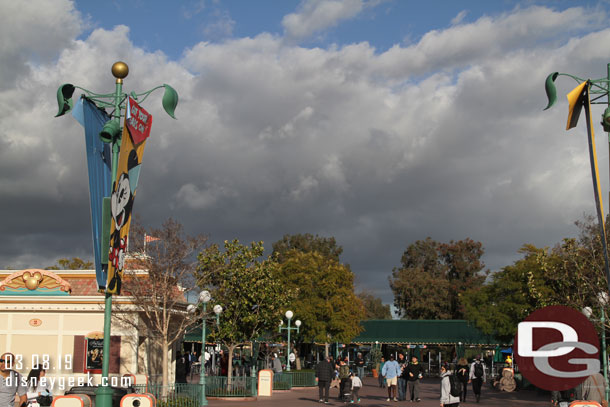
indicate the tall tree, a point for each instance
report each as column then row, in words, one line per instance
column 246, row 287
column 326, row 246
column 325, row 301
column 169, row 264
column 374, row 308
column 433, row 276
column 571, row 273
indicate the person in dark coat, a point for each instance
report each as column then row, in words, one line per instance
column 415, row 372
column 477, row 376
column 462, row 372
column 180, row 368
column 325, row 372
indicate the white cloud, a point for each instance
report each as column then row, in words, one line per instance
column 306, row 186
column 443, row 138
column 195, row 198
column 220, row 27
column 459, row 17
column 317, row 15
column 33, row 33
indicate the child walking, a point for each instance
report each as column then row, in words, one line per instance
column 356, row 385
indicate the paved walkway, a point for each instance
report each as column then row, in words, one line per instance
column 373, row 396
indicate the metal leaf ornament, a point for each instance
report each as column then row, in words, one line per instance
column 64, row 99
column 551, row 91
column 170, row 100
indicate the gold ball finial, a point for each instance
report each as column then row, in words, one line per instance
column 120, row 70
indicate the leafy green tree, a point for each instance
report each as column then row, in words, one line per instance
column 326, row 246
column 325, row 299
column 74, row 263
column 253, row 300
column 433, row 276
column 571, row 273
column 373, row 307
column 499, row 306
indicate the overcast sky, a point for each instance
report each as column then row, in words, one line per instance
column 376, row 122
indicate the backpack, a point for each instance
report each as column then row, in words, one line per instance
column 343, row 372
column 456, row 386
column 478, row 370
column 462, row 374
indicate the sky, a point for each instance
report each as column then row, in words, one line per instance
column 378, row 123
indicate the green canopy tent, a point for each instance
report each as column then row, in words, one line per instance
column 428, row 332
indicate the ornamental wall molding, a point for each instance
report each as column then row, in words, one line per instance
column 33, row 279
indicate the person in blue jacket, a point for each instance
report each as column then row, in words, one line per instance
column 391, row 371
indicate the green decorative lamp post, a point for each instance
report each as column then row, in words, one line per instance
column 598, row 88
column 111, row 133
column 204, row 298
column 289, row 316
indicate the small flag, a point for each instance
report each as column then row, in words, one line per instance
column 149, row 239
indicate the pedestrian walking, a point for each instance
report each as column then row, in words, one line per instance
column 402, row 378
column 379, row 374
column 356, row 386
column 359, row 362
column 11, row 383
column 276, row 364
column 38, row 392
column 594, row 388
column 325, row 372
column 462, row 372
column 415, row 374
column 344, row 376
column 477, row 376
column 447, row 400
column 391, row 371
column 180, row 368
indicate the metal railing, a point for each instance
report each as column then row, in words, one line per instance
column 241, row 386
column 302, row 378
column 188, row 394
column 173, row 395
column 282, row 381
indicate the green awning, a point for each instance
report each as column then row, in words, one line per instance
column 431, row 332
column 193, row 335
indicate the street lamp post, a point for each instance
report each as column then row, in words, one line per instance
column 599, row 88
column 217, row 311
column 289, row 316
column 111, row 133
column 603, row 300
column 204, row 298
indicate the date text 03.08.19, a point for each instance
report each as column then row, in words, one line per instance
column 39, row 361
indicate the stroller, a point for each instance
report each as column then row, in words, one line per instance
column 564, row 398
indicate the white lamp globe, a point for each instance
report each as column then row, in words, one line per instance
column 297, row 323
column 289, row 314
column 205, row 296
column 217, row 309
column 191, row 309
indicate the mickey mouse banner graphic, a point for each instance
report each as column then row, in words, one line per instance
column 124, row 190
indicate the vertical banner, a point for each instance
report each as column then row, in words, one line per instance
column 137, row 120
column 100, row 179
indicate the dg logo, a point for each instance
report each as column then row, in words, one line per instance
column 557, row 348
